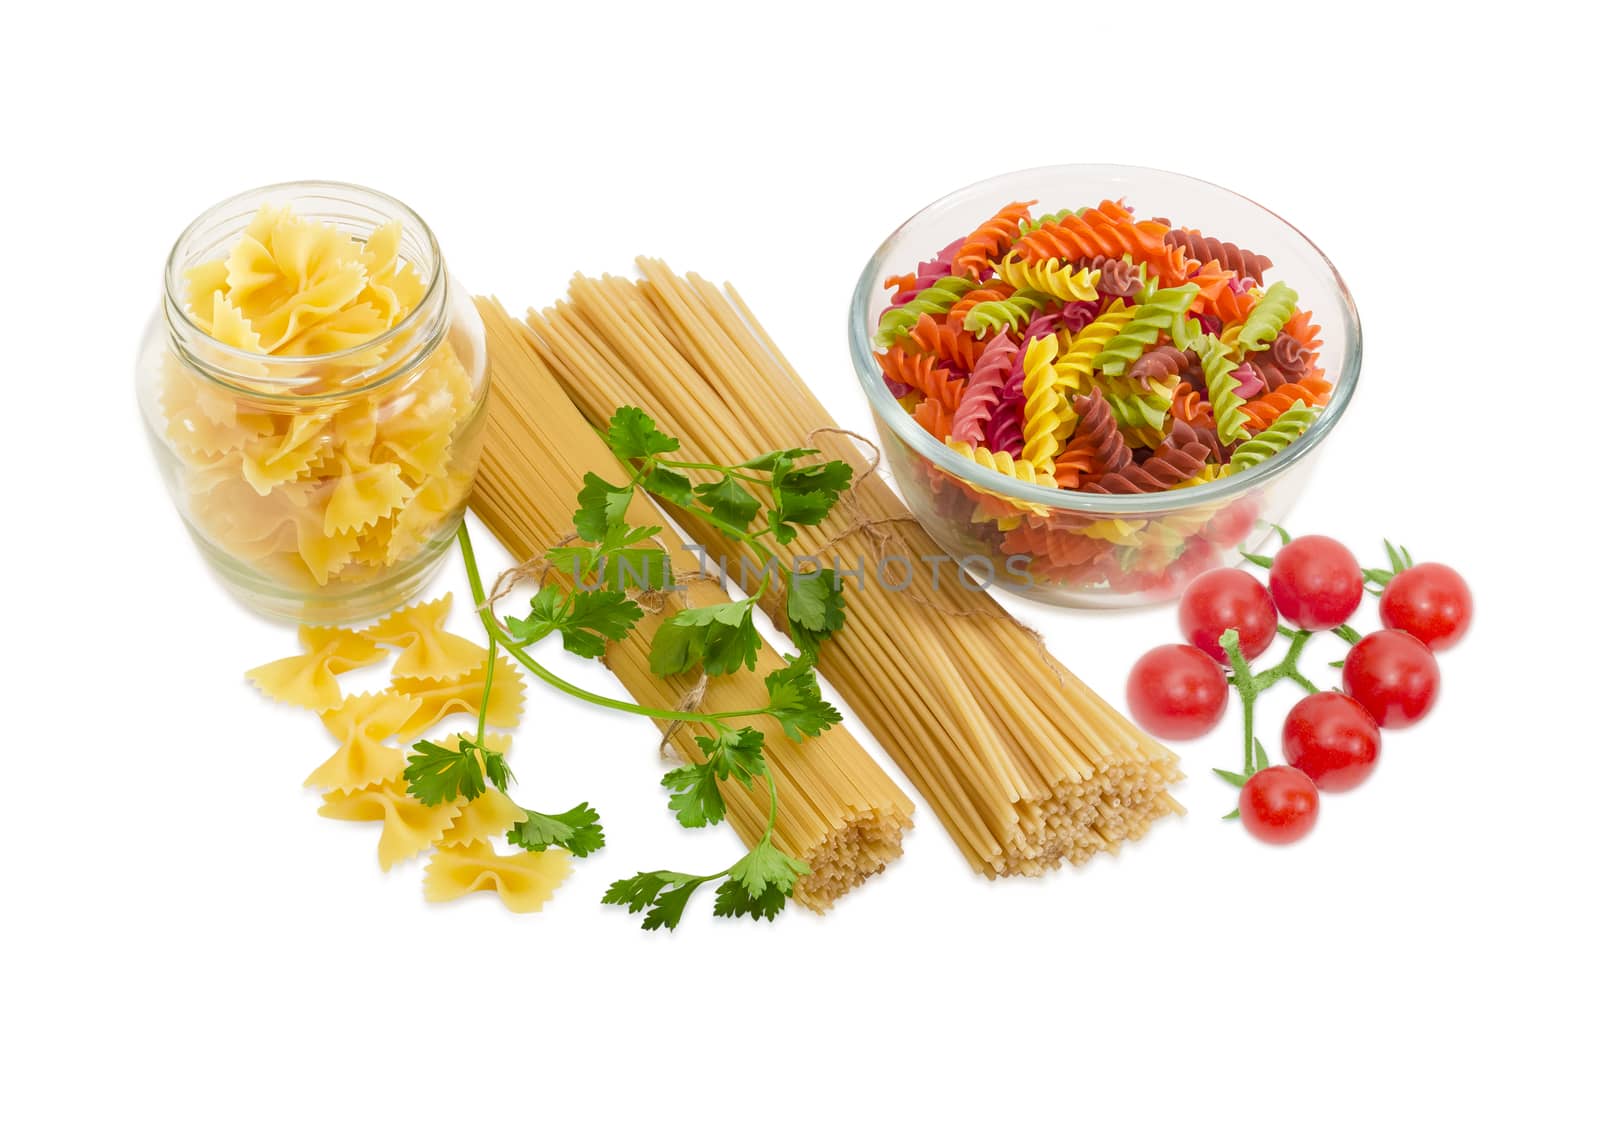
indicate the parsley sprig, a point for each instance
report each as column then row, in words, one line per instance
column 757, row 885
column 763, row 500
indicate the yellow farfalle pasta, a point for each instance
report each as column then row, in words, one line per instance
column 490, row 814
column 409, row 826
column 363, row 496
column 427, row 650
column 361, row 724
column 307, row 680
column 524, row 880
column 373, row 476
column 438, row 699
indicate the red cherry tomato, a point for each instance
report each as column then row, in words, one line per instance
column 1177, row 691
column 1331, row 739
column 1278, row 805
column 1316, row 583
column 1430, row 601
column 1227, row 598
column 1393, row 676
column 1233, row 524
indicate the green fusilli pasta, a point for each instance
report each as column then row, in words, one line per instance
column 1267, row 318
column 934, row 300
column 1222, row 389
column 1290, row 425
column 1164, row 311
column 1010, row 313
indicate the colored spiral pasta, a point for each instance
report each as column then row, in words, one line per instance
column 1241, row 262
column 1040, row 414
column 1267, row 318
column 1050, row 277
column 1163, row 312
column 1090, row 350
column 983, row 392
column 936, row 299
column 1290, row 425
column 990, row 240
column 1009, row 314
column 1222, row 389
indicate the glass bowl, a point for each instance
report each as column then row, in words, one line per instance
column 1089, row 550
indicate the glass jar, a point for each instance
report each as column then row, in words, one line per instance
column 320, row 437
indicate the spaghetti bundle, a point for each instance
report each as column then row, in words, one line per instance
column 839, row 812
column 1024, row 764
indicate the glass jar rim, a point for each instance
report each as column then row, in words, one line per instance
column 178, row 311
column 889, row 411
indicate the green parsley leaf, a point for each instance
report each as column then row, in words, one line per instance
column 601, row 507
column 729, row 502
column 618, row 559
column 764, row 867
column 664, row 893
column 805, row 495
column 797, row 702
column 436, row 773
column 577, row 830
column 633, row 436
column 735, row 754
column 734, row 901
column 545, row 615
column 696, row 800
column 831, row 478
column 668, row 485
column 587, row 620
column 816, row 602
column 720, row 637
column 597, row 617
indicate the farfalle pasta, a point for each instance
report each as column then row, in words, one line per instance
column 316, row 403
column 409, row 826
column 427, row 651
column 1091, row 350
column 436, row 676
column 309, row 679
column 523, row 880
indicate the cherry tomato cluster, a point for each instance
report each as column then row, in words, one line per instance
column 1331, row 739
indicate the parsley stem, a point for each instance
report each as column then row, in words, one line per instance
column 518, row 653
column 743, row 475
column 488, row 686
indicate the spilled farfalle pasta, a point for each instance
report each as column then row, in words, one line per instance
column 434, row 675
column 1089, row 350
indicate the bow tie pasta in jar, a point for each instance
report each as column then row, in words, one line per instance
column 314, row 389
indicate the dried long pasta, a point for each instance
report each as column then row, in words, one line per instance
column 1024, row 764
column 840, row 811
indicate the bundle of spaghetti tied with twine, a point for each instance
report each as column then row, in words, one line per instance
column 1024, row 764
column 838, row 810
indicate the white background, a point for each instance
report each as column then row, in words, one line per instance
column 188, row 945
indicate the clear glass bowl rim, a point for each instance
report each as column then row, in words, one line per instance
column 408, row 218
column 909, row 431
